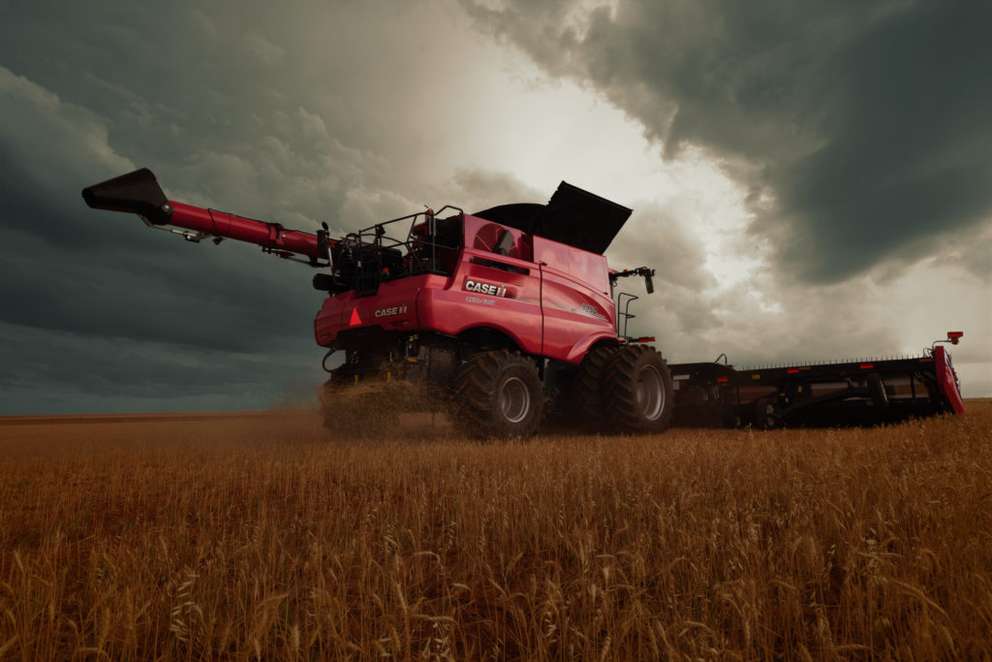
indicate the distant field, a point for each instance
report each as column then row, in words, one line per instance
column 259, row 538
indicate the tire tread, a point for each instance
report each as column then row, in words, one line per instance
column 474, row 393
column 620, row 391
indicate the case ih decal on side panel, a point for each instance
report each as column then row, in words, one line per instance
column 390, row 311
column 492, row 289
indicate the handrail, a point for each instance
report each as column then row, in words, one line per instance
column 625, row 314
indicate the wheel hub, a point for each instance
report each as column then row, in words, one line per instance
column 650, row 393
column 514, row 400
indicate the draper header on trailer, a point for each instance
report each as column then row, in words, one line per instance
column 863, row 392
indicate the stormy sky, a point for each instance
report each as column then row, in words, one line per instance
column 811, row 180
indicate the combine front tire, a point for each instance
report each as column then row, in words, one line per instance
column 586, row 397
column 637, row 392
column 498, row 394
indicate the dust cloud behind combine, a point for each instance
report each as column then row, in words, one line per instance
column 262, row 537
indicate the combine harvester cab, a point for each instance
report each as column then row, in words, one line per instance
column 864, row 392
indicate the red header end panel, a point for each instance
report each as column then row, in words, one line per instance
column 578, row 309
column 947, row 379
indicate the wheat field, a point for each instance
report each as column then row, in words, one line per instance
column 263, row 539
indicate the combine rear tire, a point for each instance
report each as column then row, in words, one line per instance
column 637, row 392
column 498, row 394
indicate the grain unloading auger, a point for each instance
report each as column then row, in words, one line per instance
column 139, row 193
column 507, row 317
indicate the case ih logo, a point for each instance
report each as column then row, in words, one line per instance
column 485, row 288
column 591, row 311
column 391, row 311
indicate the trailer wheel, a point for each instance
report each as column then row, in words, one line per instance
column 498, row 394
column 763, row 414
column 637, row 392
column 876, row 389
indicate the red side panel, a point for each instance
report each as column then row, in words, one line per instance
column 473, row 298
column 947, row 379
column 394, row 308
column 577, row 306
column 446, row 305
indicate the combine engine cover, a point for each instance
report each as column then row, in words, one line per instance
column 573, row 217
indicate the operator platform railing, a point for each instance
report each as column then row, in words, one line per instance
column 377, row 253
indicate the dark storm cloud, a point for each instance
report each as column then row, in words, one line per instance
column 271, row 113
column 486, row 188
column 862, row 129
column 67, row 267
column 67, row 372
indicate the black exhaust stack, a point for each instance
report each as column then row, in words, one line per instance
column 136, row 192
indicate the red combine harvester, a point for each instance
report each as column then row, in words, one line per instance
column 511, row 315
